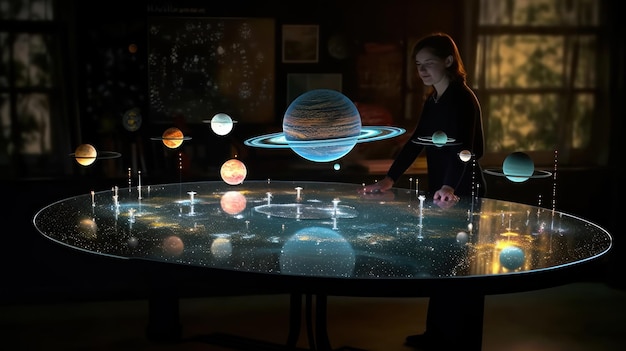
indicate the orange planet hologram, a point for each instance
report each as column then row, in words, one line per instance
column 85, row 154
column 233, row 202
column 173, row 245
column 233, row 171
column 173, row 137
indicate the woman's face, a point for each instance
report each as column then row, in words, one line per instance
column 430, row 68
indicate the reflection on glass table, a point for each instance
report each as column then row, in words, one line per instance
column 322, row 239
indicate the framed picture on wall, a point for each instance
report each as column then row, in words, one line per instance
column 300, row 43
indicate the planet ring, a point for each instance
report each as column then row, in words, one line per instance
column 429, row 141
column 368, row 134
column 101, row 155
column 176, row 139
column 536, row 174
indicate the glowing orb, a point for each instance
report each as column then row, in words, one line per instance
column 462, row 237
column 221, row 124
column 336, row 166
column 173, row 137
column 322, row 116
column 132, row 119
column 518, row 167
column 233, row 202
column 85, row 154
column 233, row 172
column 440, row 138
column 173, row 245
column 465, row 155
column 512, row 257
column 317, row 251
column 88, row 228
column 221, row 248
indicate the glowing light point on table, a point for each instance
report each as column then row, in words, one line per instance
column 298, row 192
column 440, row 138
column 518, row 167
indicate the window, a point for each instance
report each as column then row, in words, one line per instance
column 29, row 89
column 538, row 75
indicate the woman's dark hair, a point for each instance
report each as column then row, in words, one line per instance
column 442, row 46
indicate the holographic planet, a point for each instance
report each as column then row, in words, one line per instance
column 221, row 124
column 233, row 172
column 173, row 245
column 172, row 138
column 465, row 155
column 132, row 119
column 512, row 257
column 317, row 251
column 322, row 125
column 439, row 138
column 518, row 167
column 233, row 202
column 86, row 154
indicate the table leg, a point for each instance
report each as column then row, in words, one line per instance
column 163, row 316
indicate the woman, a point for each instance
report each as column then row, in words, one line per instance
column 451, row 107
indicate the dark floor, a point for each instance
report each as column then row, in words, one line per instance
column 574, row 317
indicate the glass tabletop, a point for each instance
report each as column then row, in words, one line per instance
column 321, row 229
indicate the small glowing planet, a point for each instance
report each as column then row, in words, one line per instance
column 85, row 154
column 462, row 238
column 173, row 137
column 221, row 124
column 173, row 245
column 512, row 257
column 88, row 228
column 132, row 119
column 233, row 172
column 465, row 155
column 440, row 138
column 233, row 202
column 518, row 167
column 221, row 248
column 337, row 166
column 317, row 251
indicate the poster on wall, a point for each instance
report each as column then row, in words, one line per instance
column 200, row 66
column 300, row 43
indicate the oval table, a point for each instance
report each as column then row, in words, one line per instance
column 319, row 239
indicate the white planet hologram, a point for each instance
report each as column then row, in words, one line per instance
column 221, row 124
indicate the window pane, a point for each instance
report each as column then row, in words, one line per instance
column 32, row 61
column 32, row 10
column 523, row 61
column 539, row 12
column 522, row 122
column 33, row 113
column 582, row 118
